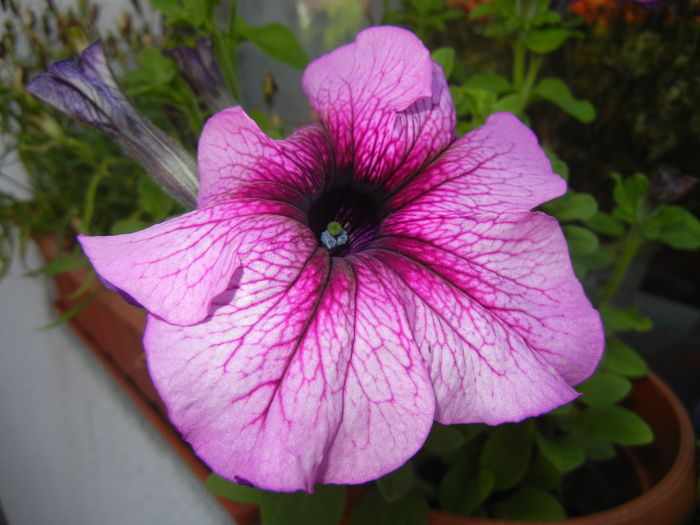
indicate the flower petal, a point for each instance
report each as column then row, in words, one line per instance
column 499, row 312
column 237, row 159
column 175, row 269
column 384, row 102
column 299, row 380
column 498, row 168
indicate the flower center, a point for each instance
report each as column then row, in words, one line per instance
column 346, row 215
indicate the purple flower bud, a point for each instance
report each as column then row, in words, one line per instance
column 86, row 89
column 198, row 66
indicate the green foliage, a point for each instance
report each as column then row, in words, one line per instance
column 529, row 503
column 233, row 491
column 276, row 41
column 373, row 509
column 323, row 507
column 396, row 485
column 557, row 92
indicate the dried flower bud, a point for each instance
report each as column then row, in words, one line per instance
column 87, row 90
column 670, row 185
column 202, row 73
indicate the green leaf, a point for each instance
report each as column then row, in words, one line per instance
column 372, row 509
column 323, row 507
column 169, row 7
column 581, row 240
column 617, row 424
column 153, row 199
column 507, row 453
column 529, row 503
column 233, row 491
column 629, row 196
column 445, row 56
column 482, row 10
column 600, row 258
column 547, row 40
column 546, row 17
column 572, row 206
column 604, row 388
column 543, row 474
column 622, row 359
column 557, row 92
column 276, row 41
column 395, row 485
column 444, row 439
column 493, row 82
column 465, row 486
column 605, row 223
column 509, row 103
column 675, row 226
column 61, row 264
column 623, row 319
column 558, row 165
column 128, row 226
column 564, row 452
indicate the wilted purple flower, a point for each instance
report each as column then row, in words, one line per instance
column 87, row 90
column 202, row 73
column 338, row 290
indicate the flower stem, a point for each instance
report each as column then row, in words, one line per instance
column 630, row 247
column 528, row 84
column 226, row 50
column 518, row 64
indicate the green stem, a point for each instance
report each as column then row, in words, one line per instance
column 630, row 247
column 90, row 194
column 526, row 90
column 518, row 64
column 226, row 50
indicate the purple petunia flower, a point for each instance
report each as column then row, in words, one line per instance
column 87, row 90
column 337, row 291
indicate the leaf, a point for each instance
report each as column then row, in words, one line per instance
column 323, row 507
column 60, row 264
column 542, row 474
column 557, row 92
column 604, row 388
column 465, row 486
column 605, row 223
column 128, row 226
column 233, row 491
column 600, row 258
column 617, row 424
column 482, row 10
column 529, row 503
column 507, row 452
column 581, row 240
column 675, row 226
column 572, row 206
column 444, row 439
column 374, row 510
column 276, row 41
column 622, row 319
column 565, row 453
column 445, row 56
column 493, row 82
column 510, row 103
column 622, row 359
column 153, row 199
column 169, row 7
column 547, row 40
column 629, row 195
column 397, row 484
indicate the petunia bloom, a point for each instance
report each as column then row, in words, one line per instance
column 337, row 291
column 87, row 90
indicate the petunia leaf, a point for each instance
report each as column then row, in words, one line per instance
column 444, row 439
column 622, row 359
column 572, row 206
column 557, row 92
column 233, row 491
column 529, row 504
column 276, row 41
column 465, row 486
column 445, row 56
column 604, row 388
column 549, row 39
column 582, row 241
column 372, row 509
column 675, row 226
column 622, row 319
column 604, row 223
column 396, row 485
column 616, row 424
column 323, row 507
column 565, row 452
column 508, row 463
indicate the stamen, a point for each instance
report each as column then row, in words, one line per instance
column 334, row 235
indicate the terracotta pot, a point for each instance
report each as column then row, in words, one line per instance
column 666, row 468
column 113, row 330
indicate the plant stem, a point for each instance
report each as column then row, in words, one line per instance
column 630, row 247
column 225, row 50
column 528, row 84
column 518, row 64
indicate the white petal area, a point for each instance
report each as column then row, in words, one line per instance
column 299, row 379
column 497, row 168
column 177, row 268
